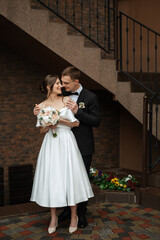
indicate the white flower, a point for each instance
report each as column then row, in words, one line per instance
column 48, row 116
column 93, row 170
column 81, row 105
column 129, row 177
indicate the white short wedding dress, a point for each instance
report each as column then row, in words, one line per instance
column 60, row 177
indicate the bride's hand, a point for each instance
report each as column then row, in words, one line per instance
column 53, row 126
column 68, row 123
column 43, row 130
column 36, row 109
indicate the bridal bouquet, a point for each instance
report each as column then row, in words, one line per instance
column 48, row 116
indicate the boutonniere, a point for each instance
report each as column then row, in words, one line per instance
column 81, row 105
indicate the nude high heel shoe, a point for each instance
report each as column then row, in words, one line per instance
column 53, row 229
column 73, row 229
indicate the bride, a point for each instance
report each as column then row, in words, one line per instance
column 60, row 177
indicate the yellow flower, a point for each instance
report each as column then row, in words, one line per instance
column 117, row 183
column 121, row 185
column 112, row 181
column 125, row 186
column 116, row 179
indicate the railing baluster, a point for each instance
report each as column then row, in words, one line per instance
column 148, row 58
column 127, row 62
column 57, row 5
column 156, row 47
column 65, row 9
column 115, row 44
column 120, row 37
column 97, row 23
column 105, row 25
column 156, row 109
column 108, row 25
column 134, row 49
column 82, row 15
column 73, row 12
column 150, row 135
column 140, row 52
column 89, row 18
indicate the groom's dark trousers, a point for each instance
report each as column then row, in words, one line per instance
column 88, row 117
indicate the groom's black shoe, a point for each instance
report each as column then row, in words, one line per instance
column 82, row 221
column 65, row 214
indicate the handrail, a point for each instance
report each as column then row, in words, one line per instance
column 138, row 82
column 106, row 36
column 138, row 57
column 133, row 36
column 139, row 23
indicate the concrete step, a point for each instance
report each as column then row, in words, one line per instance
column 150, row 80
column 111, row 196
column 154, row 179
column 149, row 197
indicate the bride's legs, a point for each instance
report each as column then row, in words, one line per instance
column 53, row 218
column 73, row 216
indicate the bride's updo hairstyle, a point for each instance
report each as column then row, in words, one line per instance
column 49, row 80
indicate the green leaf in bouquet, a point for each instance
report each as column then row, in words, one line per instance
column 54, row 134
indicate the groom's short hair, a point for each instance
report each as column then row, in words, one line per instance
column 72, row 72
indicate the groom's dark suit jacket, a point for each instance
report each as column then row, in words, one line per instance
column 89, row 117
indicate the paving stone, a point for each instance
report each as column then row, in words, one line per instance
column 6, row 238
column 105, row 221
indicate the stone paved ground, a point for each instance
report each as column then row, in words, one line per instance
column 106, row 221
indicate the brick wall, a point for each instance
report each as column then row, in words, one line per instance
column 20, row 140
column 107, row 135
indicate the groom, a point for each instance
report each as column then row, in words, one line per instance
column 84, row 105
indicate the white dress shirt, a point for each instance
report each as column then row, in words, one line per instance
column 75, row 97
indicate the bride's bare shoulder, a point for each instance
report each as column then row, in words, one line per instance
column 42, row 104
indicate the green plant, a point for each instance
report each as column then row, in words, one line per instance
column 111, row 182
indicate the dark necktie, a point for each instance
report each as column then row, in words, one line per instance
column 68, row 93
column 72, row 93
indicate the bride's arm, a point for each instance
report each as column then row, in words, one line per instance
column 43, row 130
column 68, row 123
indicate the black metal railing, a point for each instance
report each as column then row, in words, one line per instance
column 139, row 60
column 154, row 144
column 138, row 46
column 139, row 53
column 92, row 18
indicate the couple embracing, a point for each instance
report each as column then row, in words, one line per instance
column 61, row 176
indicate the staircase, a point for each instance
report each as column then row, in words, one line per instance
column 69, row 45
column 49, row 30
column 54, row 36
